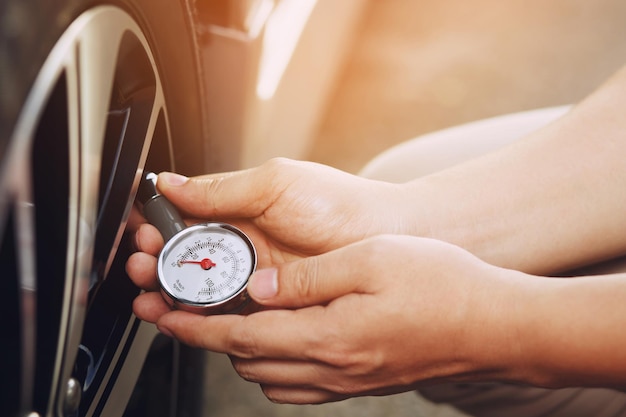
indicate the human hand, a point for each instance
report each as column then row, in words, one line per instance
column 291, row 208
column 376, row 317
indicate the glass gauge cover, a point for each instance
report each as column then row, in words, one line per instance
column 205, row 268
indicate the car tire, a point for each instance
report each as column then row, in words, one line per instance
column 93, row 93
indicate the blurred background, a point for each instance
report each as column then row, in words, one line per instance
column 338, row 81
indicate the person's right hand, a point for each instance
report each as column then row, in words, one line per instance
column 377, row 317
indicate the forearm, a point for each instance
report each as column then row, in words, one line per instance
column 550, row 202
column 565, row 332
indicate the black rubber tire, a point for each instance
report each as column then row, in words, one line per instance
column 30, row 28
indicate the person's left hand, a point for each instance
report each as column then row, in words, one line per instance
column 376, row 317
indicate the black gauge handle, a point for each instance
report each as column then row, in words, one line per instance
column 157, row 209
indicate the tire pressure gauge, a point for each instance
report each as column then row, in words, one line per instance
column 203, row 268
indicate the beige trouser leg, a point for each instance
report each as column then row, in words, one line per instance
column 436, row 151
column 439, row 150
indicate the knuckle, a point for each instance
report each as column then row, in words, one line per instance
column 338, row 356
column 383, row 247
column 211, row 187
column 305, row 279
column 243, row 342
column 277, row 165
column 346, row 358
column 243, row 369
column 356, row 368
column 276, row 161
column 282, row 172
column 354, row 355
column 336, row 348
column 274, row 394
column 277, row 174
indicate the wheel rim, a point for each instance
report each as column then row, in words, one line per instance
column 68, row 184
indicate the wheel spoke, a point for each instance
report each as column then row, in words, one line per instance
column 97, row 50
column 68, row 185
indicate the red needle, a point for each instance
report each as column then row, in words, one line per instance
column 206, row 263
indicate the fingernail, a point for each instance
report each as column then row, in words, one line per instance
column 264, row 284
column 172, row 179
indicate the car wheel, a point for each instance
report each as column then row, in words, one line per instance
column 95, row 100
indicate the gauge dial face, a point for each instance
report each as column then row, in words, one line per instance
column 206, row 264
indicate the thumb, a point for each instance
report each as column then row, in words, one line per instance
column 310, row 281
column 234, row 194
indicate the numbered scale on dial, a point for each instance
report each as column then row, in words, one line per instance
column 205, row 268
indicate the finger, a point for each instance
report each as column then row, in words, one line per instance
column 268, row 334
column 316, row 279
column 135, row 219
column 150, row 306
column 141, row 268
column 294, row 382
column 148, row 239
column 313, row 376
column 296, row 374
column 289, row 395
column 284, row 394
column 280, row 372
column 245, row 193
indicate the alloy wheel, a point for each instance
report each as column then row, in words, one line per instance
column 68, row 181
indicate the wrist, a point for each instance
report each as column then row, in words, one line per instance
column 498, row 318
column 387, row 206
column 416, row 210
column 552, row 332
column 572, row 332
